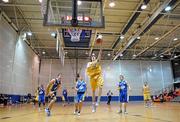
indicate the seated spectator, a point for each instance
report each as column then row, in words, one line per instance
column 1, row 99
column 5, row 100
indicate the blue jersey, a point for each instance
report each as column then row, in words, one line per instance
column 64, row 92
column 41, row 92
column 123, row 87
column 81, row 86
column 55, row 85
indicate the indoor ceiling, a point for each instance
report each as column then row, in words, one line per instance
column 158, row 30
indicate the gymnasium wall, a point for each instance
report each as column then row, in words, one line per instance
column 18, row 63
column 157, row 73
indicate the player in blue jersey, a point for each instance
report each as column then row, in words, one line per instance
column 41, row 96
column 123, row 93
column 81, row 88
column 51, row 91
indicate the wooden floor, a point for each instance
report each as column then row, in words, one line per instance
column 165, row 112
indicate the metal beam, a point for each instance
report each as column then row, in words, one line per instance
column 169, row 49
column 148, row 23
column 130, row 22
column 163, row 37
column 107, row 9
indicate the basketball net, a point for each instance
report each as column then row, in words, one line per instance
column 75, row 34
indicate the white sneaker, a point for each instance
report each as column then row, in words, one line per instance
column 125, row 112
column 75, row 112
column 47, row 112
column 97, row 104
column 78, row 113
column 93, row 108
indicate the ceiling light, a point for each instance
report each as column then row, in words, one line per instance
column 40, row 1
column 93, row 54
column 29, row 33
column 156, row 38
column 175, row 56
column 66, row 52
column 53, row 34
column 175, row 39
column 122, row 37
column 138, row 37
column 43, row 52
column 150, row 70
column 79, row 3
column 109, row 54
column 112, row 4
column 161, row 56
column 121, row 55
column 144, row 6
column 168, row 8
column 86, row 53
column 155, row 55
column 5, row 1
column 134, row 55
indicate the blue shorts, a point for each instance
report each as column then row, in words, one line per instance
column 79, row 98
column 65, row 97
column 41, row 98
column 123, row 97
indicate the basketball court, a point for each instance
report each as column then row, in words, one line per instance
column 59, row 52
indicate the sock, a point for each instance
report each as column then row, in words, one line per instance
column 98, row 100
column 39, row 104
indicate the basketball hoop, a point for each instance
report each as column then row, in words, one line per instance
column 75, row 34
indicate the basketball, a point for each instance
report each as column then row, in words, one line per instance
column 99, row 39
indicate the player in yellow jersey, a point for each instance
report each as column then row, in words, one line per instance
column 147, row 96
column 94, row 72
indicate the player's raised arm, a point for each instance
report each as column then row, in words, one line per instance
column 99, row 55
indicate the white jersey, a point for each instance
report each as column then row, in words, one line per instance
column 75, row 35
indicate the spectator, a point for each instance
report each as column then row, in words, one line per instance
column 65, row 97
column 1, row 99
column 109, row 94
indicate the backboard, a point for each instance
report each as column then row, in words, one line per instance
column 68, row 13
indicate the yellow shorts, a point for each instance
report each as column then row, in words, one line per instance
column 36, row 98
column 96, row 83
column 147, row 97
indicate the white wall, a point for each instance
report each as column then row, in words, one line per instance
column 18, row 63
column 157, row 73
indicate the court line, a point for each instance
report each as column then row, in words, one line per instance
column 141, row 116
